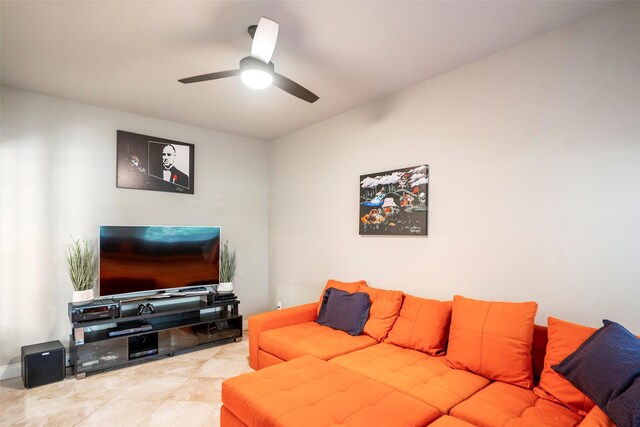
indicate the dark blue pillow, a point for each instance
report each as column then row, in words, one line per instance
column 606, row 367
column 344, row 311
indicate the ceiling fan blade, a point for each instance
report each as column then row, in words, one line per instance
column 210, row 76
column 294, row 88
column 264, row 40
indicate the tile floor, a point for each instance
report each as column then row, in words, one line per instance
column 182, row 390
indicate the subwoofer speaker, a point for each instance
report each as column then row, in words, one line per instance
column 43, row 363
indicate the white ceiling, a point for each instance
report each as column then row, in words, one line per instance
column 129, row 55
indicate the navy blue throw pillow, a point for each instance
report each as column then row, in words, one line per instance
column 344, row 311
column 606, row 367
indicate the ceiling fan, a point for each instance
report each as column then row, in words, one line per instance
column 257, row 71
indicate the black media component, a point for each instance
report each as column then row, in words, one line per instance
column 86, row 311
column 143, row 345
column 129, row 328
column 225, row 297
column 43, row 363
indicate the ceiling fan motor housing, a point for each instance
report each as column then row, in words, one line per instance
column 251, row 63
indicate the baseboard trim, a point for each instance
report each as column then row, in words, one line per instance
column 10, row 371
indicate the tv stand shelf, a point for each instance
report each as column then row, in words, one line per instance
column 174, row 328
column 176, row 307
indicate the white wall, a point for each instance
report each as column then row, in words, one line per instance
column 59, row 180
column 534, row 181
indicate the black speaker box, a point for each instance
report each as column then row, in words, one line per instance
column 43, row 363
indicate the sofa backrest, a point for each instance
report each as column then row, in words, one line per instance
column 538, row 350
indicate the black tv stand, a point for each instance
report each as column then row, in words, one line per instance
column 178, row 325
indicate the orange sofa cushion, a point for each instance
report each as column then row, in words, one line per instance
column 564, row 339
column 423, row 325
column 493, row 339
column 259, row 323
column 501, row 404
column 448, row 421
column 597, row 418
column 267, row 359
column 417, row 374
column 538, row 350
column 227, row 419
column 311, row 338
column 350, row 287
column 385, row 307
column 308, row 391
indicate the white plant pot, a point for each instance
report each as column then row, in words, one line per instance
column 79, row 296
column 225, row 287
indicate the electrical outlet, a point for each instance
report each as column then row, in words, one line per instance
column 279, row 306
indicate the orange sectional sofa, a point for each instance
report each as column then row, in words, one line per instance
column 417, row 362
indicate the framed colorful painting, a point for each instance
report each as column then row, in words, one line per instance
column 395, row 202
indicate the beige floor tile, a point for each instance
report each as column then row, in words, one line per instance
column 121, row 413
column 181, row 413
column 103, row 386
column 54, row 390
column 238, row 350
column 170, row 367
column 151, row 387
column 11, row 387
column 248, row 370
column 63, row 413
column 214, row 418
column 205, row 353
column 200, row 389
column 12, row 409
column 125, row 371
column 222, row 368
column 33, row 401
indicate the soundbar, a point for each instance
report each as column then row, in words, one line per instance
column 165, row 295
column 130, row 330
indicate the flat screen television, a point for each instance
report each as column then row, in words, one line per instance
column 154, row 258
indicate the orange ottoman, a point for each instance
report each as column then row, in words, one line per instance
column 311, row 392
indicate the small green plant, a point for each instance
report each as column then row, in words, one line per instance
column 227, row 263
column 83, row 266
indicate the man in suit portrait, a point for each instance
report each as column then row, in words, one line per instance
column 171, row 173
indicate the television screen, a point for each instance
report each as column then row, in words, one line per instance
column 148, row 258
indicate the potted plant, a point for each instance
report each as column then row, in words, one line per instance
column 227, row 268
column 83, row 269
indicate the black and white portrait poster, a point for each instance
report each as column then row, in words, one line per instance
column 151, row 163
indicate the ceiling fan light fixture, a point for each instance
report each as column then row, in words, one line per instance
column 256, row 79
column 255, row 73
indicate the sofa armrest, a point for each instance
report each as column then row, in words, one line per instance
column 277, row 319
column 596, row 418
